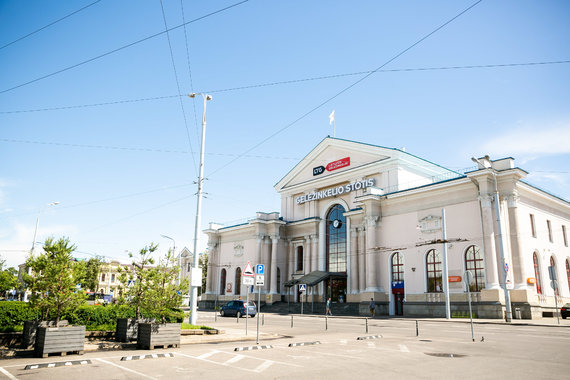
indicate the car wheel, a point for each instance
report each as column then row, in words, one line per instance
column 238, row 314
column 563, row 317
column 222, row 313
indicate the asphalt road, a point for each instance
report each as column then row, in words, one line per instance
column 443, row 349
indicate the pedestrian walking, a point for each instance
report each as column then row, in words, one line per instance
column 328, row 307
column 372, row 307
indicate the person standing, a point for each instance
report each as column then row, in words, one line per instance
column 372, row 307
column 328, row 307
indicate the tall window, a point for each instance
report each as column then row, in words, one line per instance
column 300, row 258
column 433, row 271
column 223, row 281
column 568, row 272
column 549, row 226
column 474, row 264
column 532, row 226
column 553, row 265
column 238, row 281
column 564, row 236
column 397, row 267
column 102, row 277
column 336, row 240
column 537, row 273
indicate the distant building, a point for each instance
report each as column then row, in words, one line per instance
column 360, row 221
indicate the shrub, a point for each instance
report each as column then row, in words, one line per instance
column 14, row 313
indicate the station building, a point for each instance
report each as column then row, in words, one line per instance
column 360, row 221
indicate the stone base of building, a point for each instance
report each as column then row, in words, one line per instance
column 366, row 296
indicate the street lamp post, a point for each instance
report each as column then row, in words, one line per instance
column 174, row 253
column 34, row 240
column 194, row 286
column 501, row 246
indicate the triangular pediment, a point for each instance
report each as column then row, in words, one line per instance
column 332, row 157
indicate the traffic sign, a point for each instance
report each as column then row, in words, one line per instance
column 554, row 284
column 507, row 267
column 259, row 280
column 248, row 271
column 246, row 280
column 260, row 269
column 302, row 287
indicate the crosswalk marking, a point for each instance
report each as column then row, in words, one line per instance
column 403, row 348
column 236, row 358
column 263, row 366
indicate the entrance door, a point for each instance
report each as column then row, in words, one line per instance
column 399, row 303
column 337, row 289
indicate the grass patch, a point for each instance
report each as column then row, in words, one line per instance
column 188, row 326
column 105, row 327
column 7, row 329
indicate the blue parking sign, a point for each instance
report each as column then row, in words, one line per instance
column 259, row 269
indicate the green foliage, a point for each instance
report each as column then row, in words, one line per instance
column 13, row 313
column 55, row 275
column 188, row 326
column 8, row 279
column 88, row 272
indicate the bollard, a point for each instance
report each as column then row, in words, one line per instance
column 291, row 321
column 366, row 325
column 237, row 317
column 417, row 331
column 326, row 322
column 262, row 319
column 215, row 316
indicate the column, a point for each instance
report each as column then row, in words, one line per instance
column 266, row 261
column 322, row 245
column 307, row 255
column 371, row 277
column 291, row 260
column 516, row 246
column 273, row 272
column 210, row 269
column 314, row 252
column 354, row 269
column 259, row 240
column 491, row 273
column 361, row 259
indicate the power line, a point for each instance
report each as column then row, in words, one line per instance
column 189, row 69
column 121, row 48
column 351, row 85
column 178, row 86
column 48, row 25
column 293, row 81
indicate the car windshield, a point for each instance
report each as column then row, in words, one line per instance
column 248, row 304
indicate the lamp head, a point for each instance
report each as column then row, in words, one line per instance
column 208, row 97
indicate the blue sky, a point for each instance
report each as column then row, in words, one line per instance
column 123, row 172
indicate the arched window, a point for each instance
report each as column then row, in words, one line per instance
column 278, row 280
column 223, row 281
column 300, row 258
column 537, row 273
column 474, row 264
column 433, row 271
column 336, row 240
column 553, row 265
column 238, row 281
column 397, row 267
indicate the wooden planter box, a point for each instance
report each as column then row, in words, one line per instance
column 60, row 340
column 151, row 335
column 127, row 328
column 30, row 328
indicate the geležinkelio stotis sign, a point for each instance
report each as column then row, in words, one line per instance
column 333, row 192
column 332, row 166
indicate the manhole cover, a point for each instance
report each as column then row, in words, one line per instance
column 443, row 355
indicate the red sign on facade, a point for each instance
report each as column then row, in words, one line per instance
column 338, row 164
column 454, row 278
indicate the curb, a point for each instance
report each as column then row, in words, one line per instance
column 252, row 348
column 58, row 364
column 303, row 344
column 150, row 356
column 369, row 337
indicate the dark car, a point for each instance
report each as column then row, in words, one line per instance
column 237, row 308
column 565, row 311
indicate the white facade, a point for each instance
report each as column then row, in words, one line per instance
column 370, row 219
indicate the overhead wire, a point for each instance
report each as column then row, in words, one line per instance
column 120, row 48
column 351, row 85
column 48, row 25
column 189, row 69
column 292, row 81
column 178, row 87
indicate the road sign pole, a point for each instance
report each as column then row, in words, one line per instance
column 468, row 282
column 246, row 308
column 258, row 310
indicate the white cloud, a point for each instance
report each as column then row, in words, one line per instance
column 533, row 142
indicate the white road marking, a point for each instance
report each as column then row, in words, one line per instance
column 10, row 376
column 213, row 362
column 207, row 355
column 263, row 366
column 371, row 344
column 403, row 348
column 126, row 369
column 343, row 342
column 236, row 358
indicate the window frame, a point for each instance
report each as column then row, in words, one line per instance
column 532, row 226
column 471, row 265
column 536, row 265
column 549, row 227
column 435, row 265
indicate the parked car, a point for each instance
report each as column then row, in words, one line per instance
column 565, row 311
column 237, row 308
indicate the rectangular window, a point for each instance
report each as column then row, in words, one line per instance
column 564, row 236
column 103, row 277
column 549, row 225
column 532, row 226
column 113, row 277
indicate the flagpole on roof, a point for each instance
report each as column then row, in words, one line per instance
column 331, row 121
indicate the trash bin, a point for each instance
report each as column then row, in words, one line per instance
column 518, row 313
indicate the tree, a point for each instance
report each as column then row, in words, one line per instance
column 90, row 270
column 8, row 278
column 166, row 293
column 53, row 281
column 203, row 262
